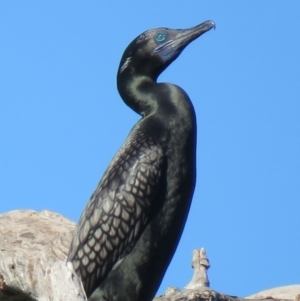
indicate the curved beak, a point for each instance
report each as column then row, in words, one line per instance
column 182, row 37
column 188, row 35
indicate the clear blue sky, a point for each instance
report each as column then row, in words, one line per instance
column 62, row 120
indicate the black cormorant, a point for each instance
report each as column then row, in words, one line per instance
column 131, row 226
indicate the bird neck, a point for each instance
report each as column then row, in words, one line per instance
column 137, row 92
column 145, row 96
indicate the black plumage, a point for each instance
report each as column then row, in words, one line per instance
column 131, row 226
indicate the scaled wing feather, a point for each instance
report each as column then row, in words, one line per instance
column 117, row 212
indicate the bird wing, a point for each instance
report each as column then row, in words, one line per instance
column 117, row 212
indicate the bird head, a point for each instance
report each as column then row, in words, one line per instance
column 154, row 50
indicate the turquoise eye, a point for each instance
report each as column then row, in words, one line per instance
column 160, row 37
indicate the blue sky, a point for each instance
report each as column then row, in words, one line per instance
column 62, row 120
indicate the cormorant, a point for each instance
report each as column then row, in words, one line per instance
column 131, row 226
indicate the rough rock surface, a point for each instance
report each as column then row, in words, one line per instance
column 33, row 252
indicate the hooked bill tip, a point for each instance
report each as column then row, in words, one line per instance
column 213, row 24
